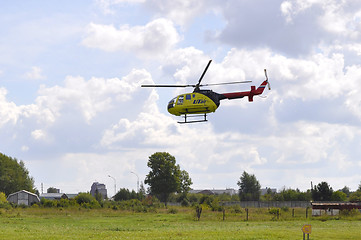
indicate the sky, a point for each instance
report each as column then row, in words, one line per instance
column 71, row 105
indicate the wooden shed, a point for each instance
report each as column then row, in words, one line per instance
column 23, row 197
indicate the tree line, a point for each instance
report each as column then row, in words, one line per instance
column 167, row 182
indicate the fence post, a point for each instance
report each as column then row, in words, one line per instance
column 293, row 212
column 247, row 214
column 199, row 212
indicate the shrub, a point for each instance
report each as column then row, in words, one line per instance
column 349, row 212
column 185, row 203
column 47, row 203
column 236, row 209
column 172, row 210
column 285, row 209
column 3, row 198
column 84, row 198
column 273, row 211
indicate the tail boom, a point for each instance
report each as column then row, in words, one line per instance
column 250, row 94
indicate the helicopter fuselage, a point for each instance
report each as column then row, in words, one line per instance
column 204, row 101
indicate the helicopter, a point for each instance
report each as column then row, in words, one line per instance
column 201, row 102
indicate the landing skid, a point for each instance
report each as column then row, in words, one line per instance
column 204, row 116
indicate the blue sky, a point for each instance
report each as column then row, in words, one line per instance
column 72, row 109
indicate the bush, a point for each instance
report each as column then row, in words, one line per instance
column 47, row 203
column 349, row 212
column 273, row 211
column 185, row 203
column 285, row 209
column 236, row 209
column 172, row 210
column 3, row 198
column 84, row 198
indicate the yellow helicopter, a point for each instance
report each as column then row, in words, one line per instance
column 200, row 102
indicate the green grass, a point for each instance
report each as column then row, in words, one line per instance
column 30, row 223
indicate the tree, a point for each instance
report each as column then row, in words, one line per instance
column 249, row 187
column 165, row 176
column 52, row 190
column 346, row 190
column 355, row 196
column 185, row 183
column 14, row 176
column 359, row 187
column 123, row 194
column 339, row 196
column 322, row 192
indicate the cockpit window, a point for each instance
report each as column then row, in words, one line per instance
column 180, row 100
column 171, row 103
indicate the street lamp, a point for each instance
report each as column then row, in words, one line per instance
column 137, row 181
column 115, row 184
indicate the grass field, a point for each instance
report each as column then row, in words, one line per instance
column 40, row 223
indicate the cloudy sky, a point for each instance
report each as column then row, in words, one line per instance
column 71, row 105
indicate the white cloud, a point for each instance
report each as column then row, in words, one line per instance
column 9, row 112
column 155, row 38
column 35, row 74
column 38, row 134
column 93, row 96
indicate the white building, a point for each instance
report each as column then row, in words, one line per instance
column 23, row 197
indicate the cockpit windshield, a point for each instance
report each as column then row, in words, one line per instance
column 172, row 103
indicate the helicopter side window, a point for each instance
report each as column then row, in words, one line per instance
column 180, row 100
column 188, row 97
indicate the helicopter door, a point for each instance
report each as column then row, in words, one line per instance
column 180, row 100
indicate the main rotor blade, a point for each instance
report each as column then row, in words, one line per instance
column 166, row 85
column 204, row 72
column 226, row 83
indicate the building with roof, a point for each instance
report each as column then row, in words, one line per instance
column 333, row 208
column 23, row 197
column 229, row 191
column 54, row 196
column 98, row 188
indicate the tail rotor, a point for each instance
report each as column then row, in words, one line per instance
column 265, row 73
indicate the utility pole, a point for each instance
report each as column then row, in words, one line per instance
column 115, row 185
column 137, row 181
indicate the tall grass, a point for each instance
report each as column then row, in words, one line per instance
column 171, row 223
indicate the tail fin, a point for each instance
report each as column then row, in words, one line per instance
column 261, row 88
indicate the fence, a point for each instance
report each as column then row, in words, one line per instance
column 268, row 204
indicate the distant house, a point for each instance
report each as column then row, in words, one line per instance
column 71, row 195
column 23, row 197
column 98, row 188
column 54, row 196
column 268, row 190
